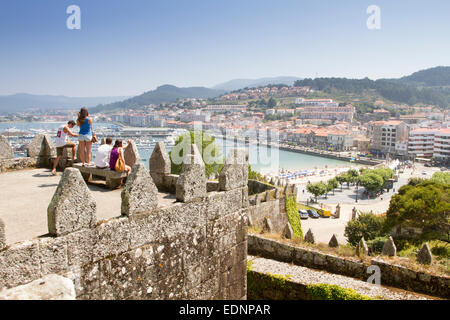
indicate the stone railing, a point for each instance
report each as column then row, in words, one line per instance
column 193, row 249
column 391, row 274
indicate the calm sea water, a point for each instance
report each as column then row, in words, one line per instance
column 261, row 158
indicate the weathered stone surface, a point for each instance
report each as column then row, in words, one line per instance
column 191, row 183
column 288, row 232
column 424, row 256
column 113, row 238
column 268, row 227
column 361, row 248
column 2, row 235
column 268, row 197
column 53, row 255
column 234, row 173
column 140, row 193
column 50, row 287
column 159, row 164
column 389, row 248
column 333, row 242
column 6, row 152
column 19, row 264
column 72, row 207
column 41, row 146
column 309, row 236
column 131, row 154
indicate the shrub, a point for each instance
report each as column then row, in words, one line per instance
column 324, row 291
column 376, row 245
column 293, row 217
column 425, row 206
column 367, row 225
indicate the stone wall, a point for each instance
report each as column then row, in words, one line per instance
column 391, row 274
column 41, row 152
column 267, row 201
column 193, row 249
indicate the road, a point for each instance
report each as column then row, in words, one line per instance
column 324, row 228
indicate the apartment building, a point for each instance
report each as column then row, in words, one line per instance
column 430, row 143
column 226, row 108
column 421, row 143
column 441, row 150
column 384, row 135
column 328, row 112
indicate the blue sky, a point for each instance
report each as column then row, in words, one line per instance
column 128, row 47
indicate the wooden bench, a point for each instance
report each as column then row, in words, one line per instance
column 113, row 178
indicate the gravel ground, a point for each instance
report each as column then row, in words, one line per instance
column 310, row 276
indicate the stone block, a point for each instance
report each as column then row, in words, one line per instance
column 20, row 264
column 389, row 248
column 333, row 242
column 288, row 233
column 159, row 163
column 131, row 154
column 53, row 255
column 6, row 152
column 191, row 183
column 309, row 236
column 234, row 173
column 140, row 193
column 113, row 238
column 361, row 248
column 72, row 207
column 424, row 256
column 80, row 246
column 50, row 287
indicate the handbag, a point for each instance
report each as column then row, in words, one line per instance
column 120, row 164
column 94, row 137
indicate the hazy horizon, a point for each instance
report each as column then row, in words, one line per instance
column 125, row 49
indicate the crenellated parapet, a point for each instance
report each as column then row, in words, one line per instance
column 192, row 249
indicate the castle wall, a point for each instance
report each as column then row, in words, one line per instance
column 193, row 249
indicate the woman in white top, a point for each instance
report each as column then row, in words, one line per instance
column 61, row 142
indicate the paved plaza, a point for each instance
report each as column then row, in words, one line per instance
column 26, row 195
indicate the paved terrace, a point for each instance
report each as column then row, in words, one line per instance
column 25, row 196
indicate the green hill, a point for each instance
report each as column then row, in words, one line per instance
column 162, row 94
column 430, row 86
column 434, row 77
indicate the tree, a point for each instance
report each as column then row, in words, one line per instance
column 384, row 173
column 425, row 206
column 441, row 177
column 272, row 103
column 341, row 180
column 371, row 181
column 317, row 189
column 209, row 150
column 332, row 184
column 367, row 225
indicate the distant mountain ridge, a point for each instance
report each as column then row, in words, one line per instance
column 163, row 94
column 433, row 77
column 237, row 84
column 22, row 101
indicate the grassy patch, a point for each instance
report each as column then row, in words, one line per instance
column 325, row 291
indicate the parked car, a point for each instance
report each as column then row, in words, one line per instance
column 313, row 213
column 303, row 214
column 424, row 173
